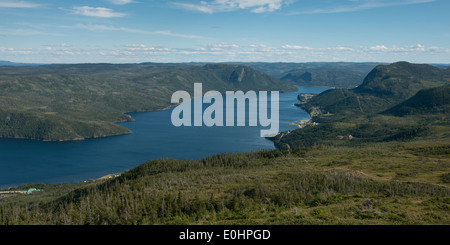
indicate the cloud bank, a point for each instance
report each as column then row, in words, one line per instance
column 255, row 6
column 96, row 12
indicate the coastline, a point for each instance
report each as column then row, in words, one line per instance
column 66, row 140
column 159, row 109
column 131, row 119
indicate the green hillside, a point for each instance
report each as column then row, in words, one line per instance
column 382, row 109
column 358, row 168
column 399, row 183
column 328, row 74
column 402, row 80
column 384, row 87
column 339, row 74
column 63, row 102
column 426, row 101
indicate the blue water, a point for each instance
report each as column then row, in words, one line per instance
column 153, row 137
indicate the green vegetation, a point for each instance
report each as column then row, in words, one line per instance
column 335, row 130
column 340, row 74
column 426, row 101
column 63, row 102
column 384, row 87
column 385, row 164
column 328, row 74
column 361, row 119
column 384, row 183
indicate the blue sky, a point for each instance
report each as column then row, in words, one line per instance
column 129, row 31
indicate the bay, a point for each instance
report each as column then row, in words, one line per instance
column 153, row 137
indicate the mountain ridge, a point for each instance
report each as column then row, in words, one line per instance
column 384, row 87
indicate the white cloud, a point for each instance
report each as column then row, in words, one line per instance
column 15, row 51
column 378, row 48
column 296, row 47
column 194, row 7
column 96, row 12
column 224, row 52
column 418, row 48
column 222, row 46
column 18, row 4
column 359, row 5
column 255, row 6
column 143, row 49
column 59, row 45
column 121, row 2
column 341, row 48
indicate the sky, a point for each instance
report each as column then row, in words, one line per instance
column 134, row 31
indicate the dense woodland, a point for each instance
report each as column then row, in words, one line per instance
column 326, row 74
column 415, row 103
column 269, row 187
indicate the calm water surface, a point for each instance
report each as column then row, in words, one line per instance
column 153, row 137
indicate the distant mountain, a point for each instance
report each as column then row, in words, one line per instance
column 9, row 63
column 397, row 102
column 401, row 80
column 340, row 74
column 384, row 87
column 328, row 74
column 441, row 66
column 426, row 101
column 64, row 102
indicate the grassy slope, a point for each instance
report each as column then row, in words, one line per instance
column 340, row 74
column 60, row 102
column 383, row 183
column 385, row 86
column 329, row 74
column 426, row 101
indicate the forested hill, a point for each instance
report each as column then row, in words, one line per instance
column 63, row 102
column 339, row 74
column 362, row 168
column 328, row 74
column 322, row 185
column 426, row 101
column 385, row 86
column 402, row 79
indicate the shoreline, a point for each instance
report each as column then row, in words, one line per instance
column 93, row 137
column 270, row 138
column 65, row 140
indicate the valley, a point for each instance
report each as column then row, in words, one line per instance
column 378, row 154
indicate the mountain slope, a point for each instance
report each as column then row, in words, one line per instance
column 426, row 101
column 330, row 185
column 386, row 107
column 401, row 80
column 329, row 74
column 384, row 87
column 339, row 74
